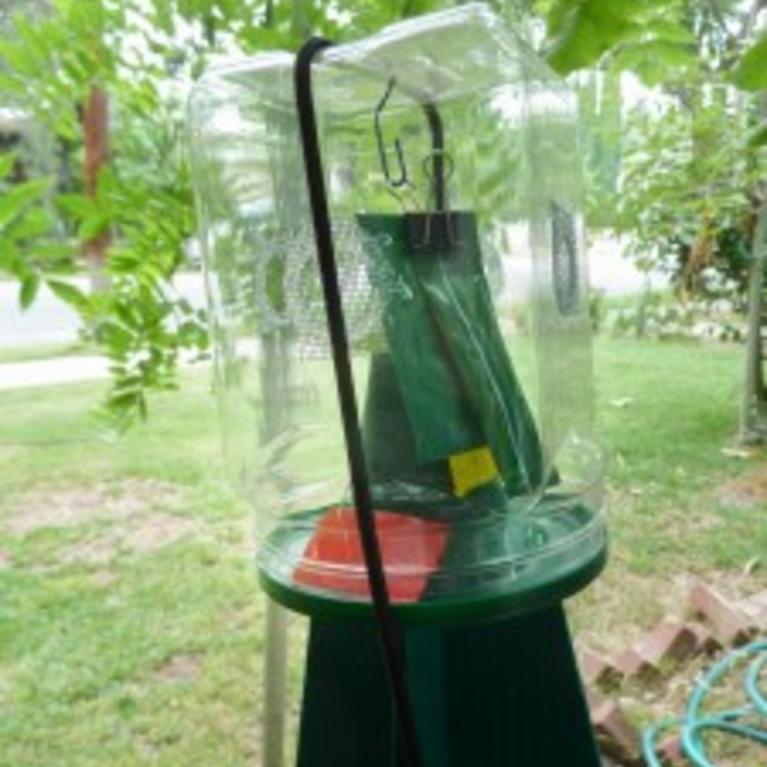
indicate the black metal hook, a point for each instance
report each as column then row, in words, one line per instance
column 403, row 178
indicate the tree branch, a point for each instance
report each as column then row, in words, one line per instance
column 716, row 12
column 749, row 23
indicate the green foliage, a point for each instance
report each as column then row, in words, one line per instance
column 582, row 32
column 693, row 172
column 50, row 62
column 601, row 125
column 145, row 198
column 26, row 251
column 16, row 204
column 142, row 200
column 751, row 72
column 757, row 136
column 663, row 315
column 685, row 199
column 646, row 36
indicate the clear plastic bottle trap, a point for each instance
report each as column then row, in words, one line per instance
column 452, row 169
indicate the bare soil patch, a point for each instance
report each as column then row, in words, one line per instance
column 102, row 578
column 747, row 490
column 156, row 531
column 132, row 516
column 67, row 507
column 142, row 535
column 72, row 506
column 5, row 560
column 8, row 451
column 180, row 668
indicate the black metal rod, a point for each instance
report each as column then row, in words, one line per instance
column 389, row 630
column 437, row 153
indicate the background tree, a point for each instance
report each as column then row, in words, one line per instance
column 131, row 208
column 128, row 201
column 693, row 195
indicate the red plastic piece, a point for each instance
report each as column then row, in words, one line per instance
column 411, row 549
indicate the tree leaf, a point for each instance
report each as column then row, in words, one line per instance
column 116, row 335
column 59, row 254
column 589, row 29
column 12, row 84
column 6, row 164
column 16, row 199
column 163, row 16
column 18, row 59
column 757, row 136
column 751, row 72
column 92, row 227
column 35, row 44
column 68, row 293
column 34, row 222
column 670, row 32
column 652, row 60
column 76, row 205
column 11, row 260
column 28, row 290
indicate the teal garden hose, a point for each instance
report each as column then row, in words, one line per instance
column 696, row 722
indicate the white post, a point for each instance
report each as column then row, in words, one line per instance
column 275, row 664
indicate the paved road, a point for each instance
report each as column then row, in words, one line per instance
column 49, row 321
column 17, row 375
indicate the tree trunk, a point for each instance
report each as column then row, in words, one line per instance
column 753, row 425
column 753, row 405
column 95, row 123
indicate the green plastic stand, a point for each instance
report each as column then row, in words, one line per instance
column 501, row 694
column 489, row 661
column 493, row 677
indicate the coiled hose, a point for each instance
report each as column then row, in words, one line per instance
column 696, row 722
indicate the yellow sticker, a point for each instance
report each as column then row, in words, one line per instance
column 472, row 469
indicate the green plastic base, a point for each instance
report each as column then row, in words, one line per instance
column 537, row 580
column 501, row 694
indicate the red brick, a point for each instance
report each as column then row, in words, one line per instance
column 617, row 737
column 730, row 625
column 597, row 668
column 593, row 698
column 706, row 642
column 633, row 665
column 670, row 751
column 670, row 640
column 755, row 608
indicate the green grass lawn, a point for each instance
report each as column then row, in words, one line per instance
column 130, row 619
